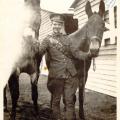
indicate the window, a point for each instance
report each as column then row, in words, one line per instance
column 106, row 16
column 115, row 16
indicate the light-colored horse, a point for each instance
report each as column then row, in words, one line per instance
column 28, row 60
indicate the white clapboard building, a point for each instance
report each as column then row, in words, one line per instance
column 103, row 80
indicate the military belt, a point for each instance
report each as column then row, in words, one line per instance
column 60, row 47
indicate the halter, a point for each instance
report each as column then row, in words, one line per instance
column 99, row 40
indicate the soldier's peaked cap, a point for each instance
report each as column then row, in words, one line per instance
column 57, row 17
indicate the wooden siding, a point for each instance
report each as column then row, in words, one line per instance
column 45, row 27
column 118, row 63
column 104, row 78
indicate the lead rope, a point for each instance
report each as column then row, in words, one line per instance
column 84, row 79
column 94, row 65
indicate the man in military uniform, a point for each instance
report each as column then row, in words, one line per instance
column 62, row 72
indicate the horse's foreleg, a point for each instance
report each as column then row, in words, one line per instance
column 34, row 96
column 5, row 99
column 51, row 101
column 81, row 102
column 34, row 81
column 14, row 91
column 82, row 83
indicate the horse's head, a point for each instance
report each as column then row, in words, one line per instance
column 95, row 27
column 33, row 16
column 32, row 21
column 33, row 2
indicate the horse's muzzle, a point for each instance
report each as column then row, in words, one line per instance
column 94, row 47
column 94, row 53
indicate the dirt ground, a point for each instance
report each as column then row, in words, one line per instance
column 97, row 106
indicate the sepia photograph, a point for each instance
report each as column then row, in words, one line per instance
column 59, row 60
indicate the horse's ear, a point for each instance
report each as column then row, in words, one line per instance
column 88, row 9
column 101, row 8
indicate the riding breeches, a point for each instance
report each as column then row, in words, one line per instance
column 63, row 87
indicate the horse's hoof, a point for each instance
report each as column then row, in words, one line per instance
column 82, row 118
column 13, row 116
column 36, row 109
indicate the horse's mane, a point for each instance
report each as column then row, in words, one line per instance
column 80, row 33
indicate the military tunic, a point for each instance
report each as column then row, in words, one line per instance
column 60, row 65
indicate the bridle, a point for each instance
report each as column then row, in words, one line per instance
column 97, row 38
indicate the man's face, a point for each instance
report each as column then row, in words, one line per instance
column 56, row 26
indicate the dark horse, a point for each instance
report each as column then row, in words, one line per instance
column 83, row 41
column 87, row 39
column 29, row 60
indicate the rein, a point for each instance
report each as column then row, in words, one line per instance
column 99, row 40
column 94, row 65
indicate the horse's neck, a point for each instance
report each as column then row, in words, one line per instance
column 80, row 33
column 79, row 39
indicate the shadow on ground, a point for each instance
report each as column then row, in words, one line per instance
column 26, row 112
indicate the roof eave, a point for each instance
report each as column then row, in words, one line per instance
column 74, row 3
